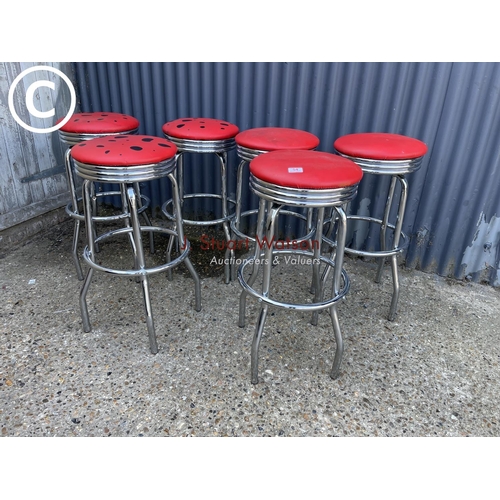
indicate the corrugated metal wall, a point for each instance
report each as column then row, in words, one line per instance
column 452, row 214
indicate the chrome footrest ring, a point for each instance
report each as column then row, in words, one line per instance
column 244, row 236
column 137, row 272
column 375, row 253
column 212, row 222
column 106, row 218
column 316, row 306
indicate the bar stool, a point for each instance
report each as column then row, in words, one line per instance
column 83, row 127
column 203, row 135
column 254, row 142
column 385, row 154
column 128, row 160
column 309, row 179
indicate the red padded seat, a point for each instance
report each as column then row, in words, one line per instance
column 276, row 138
column 200, row 129
column 100, row 123
column 124, row 150
column 380, row 146
column 306, row 169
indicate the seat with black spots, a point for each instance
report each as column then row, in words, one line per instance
column 128, row 160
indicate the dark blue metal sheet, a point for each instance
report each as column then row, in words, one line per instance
column 454, row 198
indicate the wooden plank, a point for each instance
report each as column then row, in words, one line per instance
column 13, row 134
column 8, row 198
column 27, row 155
column 47, row 145
column 22, row 214
column 8, row 195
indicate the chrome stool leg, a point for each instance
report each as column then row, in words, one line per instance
column 337, row 278
column 181, row 238
column 146, row 218
column 256, row 262
column 170, row 246
column 316, row 287
column 74, row 250
column 383, row 227
column 141, row 264
column 229, row 254
column 272, row 216
column 180, row 176
column 87, row 208
column 239, row 192
column 339, row 341
column 74, row 207
column 397, row 236
column 237, row 211
column 132, row 240
column 83, row 301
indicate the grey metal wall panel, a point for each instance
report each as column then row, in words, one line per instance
column 453, row 207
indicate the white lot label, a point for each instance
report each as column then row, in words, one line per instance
column 295, row 170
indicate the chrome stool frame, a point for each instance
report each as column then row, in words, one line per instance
column 272, row 198
column 220, row 148
column 128, row 177
column 72, row 208
column 397, row 169
column 246, row 155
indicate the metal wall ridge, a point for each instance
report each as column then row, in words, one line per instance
column 453, row 207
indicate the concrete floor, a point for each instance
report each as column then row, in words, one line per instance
column 432, row 372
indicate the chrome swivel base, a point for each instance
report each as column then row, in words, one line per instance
column 311, row 180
